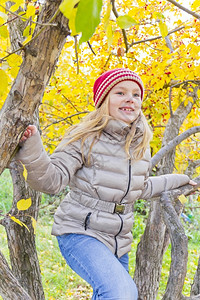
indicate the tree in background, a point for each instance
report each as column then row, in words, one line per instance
column 154, row 39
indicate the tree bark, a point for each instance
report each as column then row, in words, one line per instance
column 195, row 290
column 179, row 252
column 21, row 242
column 40, row 58
column 156, row 237
column 9, row 286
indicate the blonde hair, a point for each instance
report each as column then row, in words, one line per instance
column 92, row 125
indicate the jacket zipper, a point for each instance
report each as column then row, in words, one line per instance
column 127, row 190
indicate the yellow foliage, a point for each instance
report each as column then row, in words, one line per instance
column 68, row 97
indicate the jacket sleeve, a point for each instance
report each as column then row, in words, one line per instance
column 155, row 185
column 49, row 174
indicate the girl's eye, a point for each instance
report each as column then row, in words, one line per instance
column 120, row 93
column 136, row 95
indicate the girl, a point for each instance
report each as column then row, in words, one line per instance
column 105, row 161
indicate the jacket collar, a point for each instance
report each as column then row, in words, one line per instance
column 118, row 129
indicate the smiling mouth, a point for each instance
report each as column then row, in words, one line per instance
column 126, row 109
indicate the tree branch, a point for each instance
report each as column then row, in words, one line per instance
column 179, row 250
column 155, row 38
column 172, row 144
column 123, row 30
column 178, row 239
column 25, row 19
column 9, row 285
column 65, row 119
column 185, row 9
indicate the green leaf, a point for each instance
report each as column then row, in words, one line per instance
column 67, row 6
column 88, row 18
column 126, row 21
column 163, row 29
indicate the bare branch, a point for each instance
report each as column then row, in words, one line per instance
column 194, row 14
column 155, row 38
column 170, row 102
column 70, row 102
column 123, row 30
column 76, row 53
column 179, row 252
column 33, row 38
column 65, row 119
column 172, row 144
column 25, row 19
column 90, row 46
column 178, row 239
column 192, row 165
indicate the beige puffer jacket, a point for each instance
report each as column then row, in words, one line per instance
column 92, row 205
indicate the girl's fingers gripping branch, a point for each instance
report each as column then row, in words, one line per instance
column 30, row 130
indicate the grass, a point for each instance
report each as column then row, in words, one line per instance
column 59, row 281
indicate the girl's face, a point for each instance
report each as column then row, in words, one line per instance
column 125, row 101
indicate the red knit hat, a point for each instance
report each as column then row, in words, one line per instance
column 109, row 79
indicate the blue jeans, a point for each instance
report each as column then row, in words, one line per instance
column 96, row 264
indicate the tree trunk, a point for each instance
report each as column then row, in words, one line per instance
column 9, row 286
column 153, row 243
column 21, row 242
column 40, row 58
column 149, row 252
column 195, row 290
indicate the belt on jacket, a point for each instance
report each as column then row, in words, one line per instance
column 106, row 206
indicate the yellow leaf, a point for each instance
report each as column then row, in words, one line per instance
column 163, row 29
column 30, row 10
column 4, row 82
column 34, row 222
column 27, row 40
column 4, row 32
column 198, row 199
column 24, row 204
column 25, row 173
column 182, row 199
column 72, row 22
column 14, row 60
column 16, row 220
column 3, row 17
column 107, row 15
column 195, row 5
column 67, row 6
column 109, row 34
column 2, row 20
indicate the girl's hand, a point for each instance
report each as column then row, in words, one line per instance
column 30, row 130
column 192, row 182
